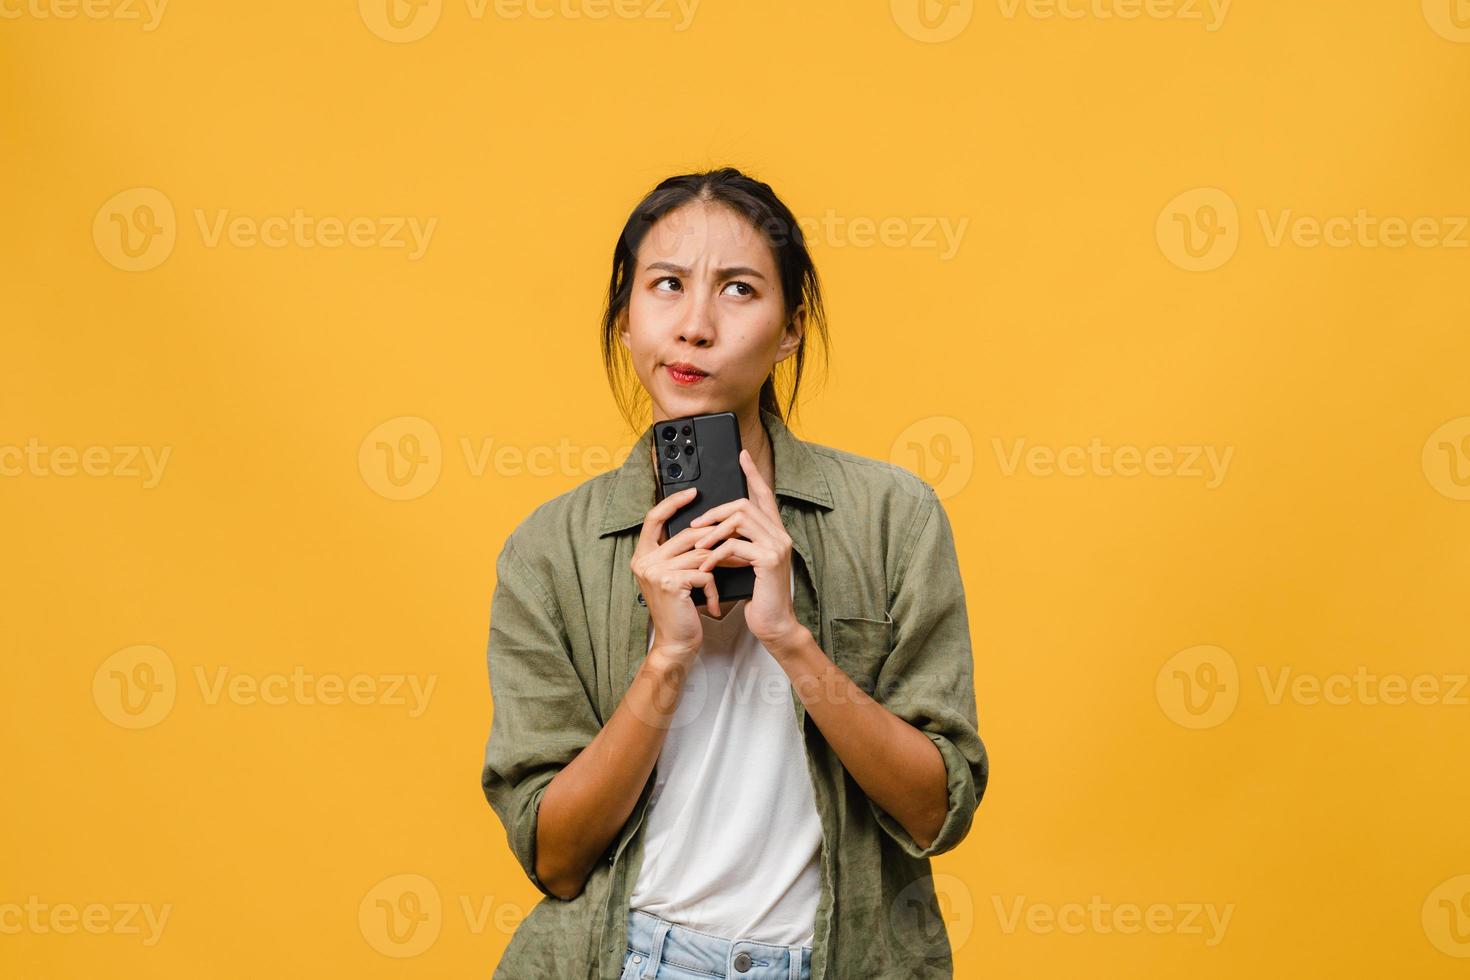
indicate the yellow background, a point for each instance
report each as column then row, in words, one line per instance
column 1336, row 540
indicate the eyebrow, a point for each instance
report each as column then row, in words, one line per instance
column 726, row 273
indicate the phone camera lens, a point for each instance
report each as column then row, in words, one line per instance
column 672, row 452
column 675, row 471
column 687, row 430
column 688, row 449
column 669, row 433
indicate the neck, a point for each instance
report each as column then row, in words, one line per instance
column 755, row 440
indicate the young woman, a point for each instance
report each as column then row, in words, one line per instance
column 749, row 790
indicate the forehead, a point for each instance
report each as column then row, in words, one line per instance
column 704, row 228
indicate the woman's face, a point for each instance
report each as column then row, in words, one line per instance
column 706, row 295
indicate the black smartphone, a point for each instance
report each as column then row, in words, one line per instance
column 703, row 451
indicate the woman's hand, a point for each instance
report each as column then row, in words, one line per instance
column 765, row 545
column 666, row 572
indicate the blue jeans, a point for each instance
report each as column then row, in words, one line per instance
column 661, row 950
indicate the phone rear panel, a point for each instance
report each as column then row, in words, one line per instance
column 708, row 457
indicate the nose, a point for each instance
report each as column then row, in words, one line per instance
column 698, row 324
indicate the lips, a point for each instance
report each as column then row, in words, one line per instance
column 685, row 373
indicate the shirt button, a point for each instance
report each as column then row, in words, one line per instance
column 742, row 962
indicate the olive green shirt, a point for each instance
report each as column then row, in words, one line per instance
column 877, row 583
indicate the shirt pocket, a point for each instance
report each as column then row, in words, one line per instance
column 860, row 645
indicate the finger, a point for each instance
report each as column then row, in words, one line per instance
column 711, row 594
column 678, row 544
column 755, row 526
column 658, row 515
column 742, row 506
column 734, row 553
column 760, row 492
column 719, row 512
column 689, row 559
column 685, row 580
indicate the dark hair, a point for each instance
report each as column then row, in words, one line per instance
column 765, row 211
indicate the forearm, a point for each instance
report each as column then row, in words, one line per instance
column 587, row 803
column 896, row 764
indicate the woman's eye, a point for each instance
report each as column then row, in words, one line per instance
column 670, row 279
column 749, row 290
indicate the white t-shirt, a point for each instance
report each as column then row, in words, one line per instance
column 733, row 842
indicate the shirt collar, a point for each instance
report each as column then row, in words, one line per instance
column 632, row 492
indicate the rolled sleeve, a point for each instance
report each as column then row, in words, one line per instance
column 542, row 714
column 928, row 678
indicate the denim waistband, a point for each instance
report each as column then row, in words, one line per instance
column 659, row 940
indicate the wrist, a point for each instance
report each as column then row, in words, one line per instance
column 665, row 662
column 788, row 641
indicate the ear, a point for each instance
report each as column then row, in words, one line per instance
column 623, row 333
column 794, row 332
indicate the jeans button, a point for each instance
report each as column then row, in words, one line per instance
column 742, row 962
